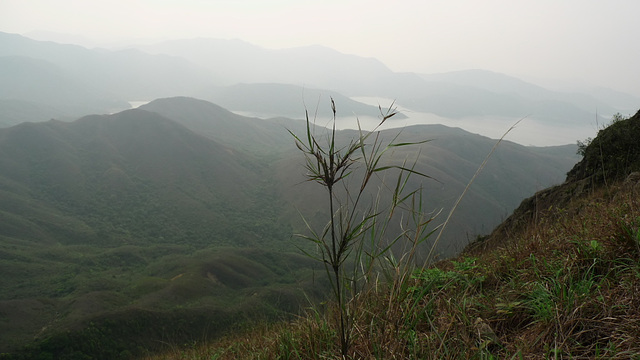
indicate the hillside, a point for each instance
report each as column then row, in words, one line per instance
column 242, row 133
column 558, row 279
column 183, row 210
column 112, row 224
column 607, row 160
column 126, row 170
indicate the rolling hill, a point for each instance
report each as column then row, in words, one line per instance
column 135, row 166
column 112, row 219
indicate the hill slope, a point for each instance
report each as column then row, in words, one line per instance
column 129, row 168
column 608, row 159
column 239, row 132
column 112, row 224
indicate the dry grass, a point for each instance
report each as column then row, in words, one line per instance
column 567, row 286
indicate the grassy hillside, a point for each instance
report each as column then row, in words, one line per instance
column 559, row 279
column 562, row 287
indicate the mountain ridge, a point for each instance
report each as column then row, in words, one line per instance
column 196, row 68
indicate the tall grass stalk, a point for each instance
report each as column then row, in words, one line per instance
column 346, row 173
column 355, row 245
column 464, row 192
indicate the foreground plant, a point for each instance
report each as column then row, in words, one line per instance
column 355, row 237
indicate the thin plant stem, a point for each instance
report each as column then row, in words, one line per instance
column 464, row 192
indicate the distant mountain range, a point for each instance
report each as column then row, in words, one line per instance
column 73, row 81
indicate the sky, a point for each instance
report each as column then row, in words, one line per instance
column 552, row 43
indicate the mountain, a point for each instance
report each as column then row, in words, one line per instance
column 272, row 100
column 504, row 84
column 75, row 80
column 238, row 62
column 235, row 61
column 491, row 81
column 13, row 112
column 262, row 82
column 131, row 74
column 481, row 92
column 475, row 94
column 623, row 102
column 130, row 169
column 242, row 133
column 36, row 83
column 129, row 221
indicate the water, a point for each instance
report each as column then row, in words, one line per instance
column 529, row 132
column 136, row 104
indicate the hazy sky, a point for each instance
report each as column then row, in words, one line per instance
column 592, row 42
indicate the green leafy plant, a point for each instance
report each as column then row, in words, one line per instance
column 355, row 245
column 355, row 236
